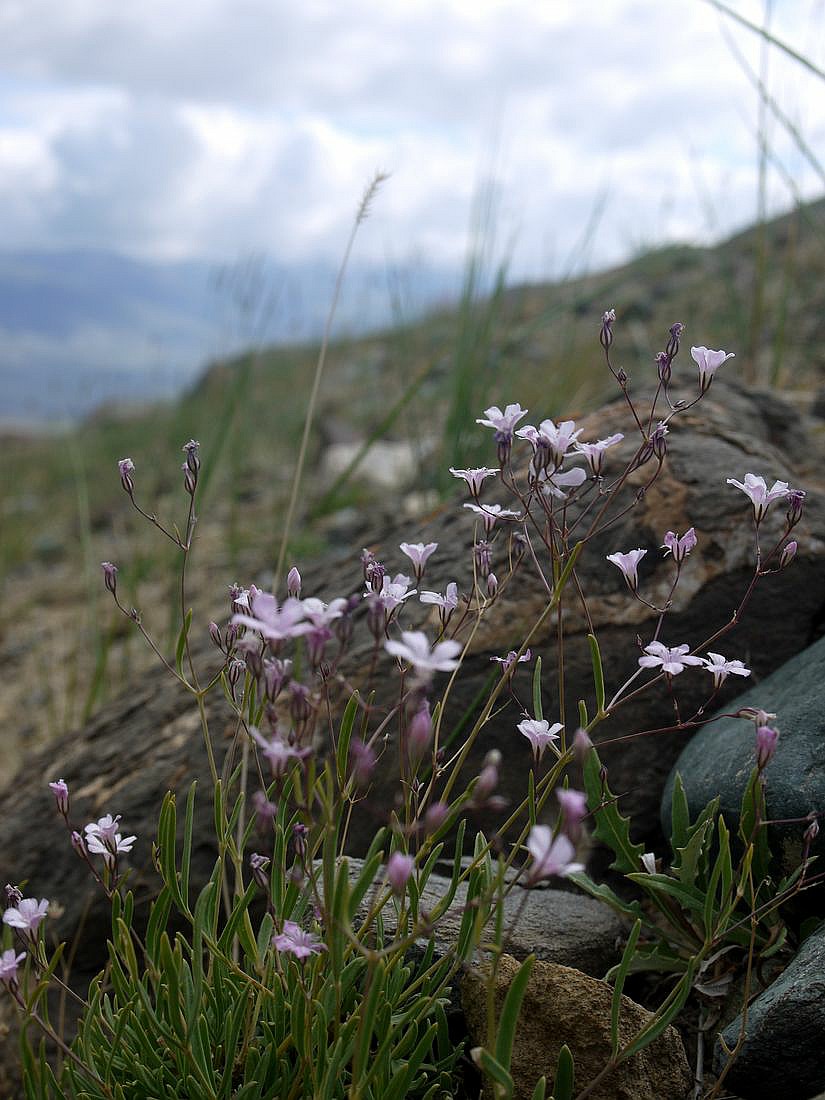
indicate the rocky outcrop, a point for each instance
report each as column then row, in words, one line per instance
column 149, row 740
column 563, row 1006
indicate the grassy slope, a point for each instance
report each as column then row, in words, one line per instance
column 63, row 510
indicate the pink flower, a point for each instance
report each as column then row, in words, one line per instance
column 9, row 963
column 788, row 553
column 760, row 495
column 573, row 803
column 539, row 733
column 629, row 564
column 556, row 484
column 278, row 752
column 271, row 622
column 415, row 649
column 708, row 362
column 492, row 513
column 103, row 838
column 321, row 614
column 594, row 452
column 550, row 857
column 474, row 477
column 418, row 554
column 679, row 547
column 294, row 940
column 721, row 669
column 449, row 601
column 393, row 592
column 502, row 422
column 558, row 439
column 399, row 869
column 672, row 661
column 26, row 915
column 513, row 658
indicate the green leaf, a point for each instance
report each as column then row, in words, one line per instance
column 180, row 648
column 488, row 1064
column 344, row 738
column 537, row 710
column 583, row 719
column 540, row 1091
column 186, row 854
column 609, row 825
column 510, row 1012
column 565, row 1075
column 598, row 672
column 621, row 977
column 602, row 892
column 679, row 816
column 689, row 897
column 366, row 1027
column 666, row 1013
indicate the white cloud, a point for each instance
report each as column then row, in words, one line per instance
column 250, row 125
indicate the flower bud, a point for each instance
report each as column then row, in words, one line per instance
column 61, row 796
column 420, row 733
column 126, row 468
column 235, row 669
column 215, row 635
column 299, row 840
column 361, row 762
column 435, row 817
column 293, row 582
column 399, row 869
column 606, row 334
column 190, row 480
column 796, row 503
column 492, row 585
column 110, row 576
column 193, row 462
column 766, row 738
column 663, row 368
column 483, row 556
column 259, row 865
column 788, row 554
column 78, row 844
column 299, row 705
column 13, row 895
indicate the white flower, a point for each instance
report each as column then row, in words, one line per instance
column 721, row 669
column 271, row 622
column 629, row 565
column 594, row 452
column 27, row 914
column 539, row 733
column 415, row 649
column 474, row 477
column 672, row 661
column 503, row 422
column 708, row 363
column 760, row 495
column 393, row 591
column 321, row 614
column 418, row 553
column 555, row 484
column 449, row 601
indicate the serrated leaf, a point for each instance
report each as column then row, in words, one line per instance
column 609, row 825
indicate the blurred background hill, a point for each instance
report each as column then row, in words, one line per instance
column 173, row 212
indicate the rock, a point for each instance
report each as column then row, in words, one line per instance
column 720, row 757
column 554, row 925
column 149, row 740
column 784, row 1033
column 561, row 1006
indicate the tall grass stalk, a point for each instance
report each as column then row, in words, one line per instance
column 361, row 214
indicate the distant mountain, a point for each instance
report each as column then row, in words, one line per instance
column 80, row 328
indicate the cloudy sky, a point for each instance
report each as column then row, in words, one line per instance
column 208, row 128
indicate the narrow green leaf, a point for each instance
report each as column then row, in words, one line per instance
column 180, row 648
column 664, row 1016
column 689, row 897
column 598, row 672
column 510, row 1012
column 488, row 1064
column 537, row 709
column 565, row 1075
column 540, row 1091
column 584, row 722
column 679, row 816
column 621, row 976
column 186, row 854
column 344, row 738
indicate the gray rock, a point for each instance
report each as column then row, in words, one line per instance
column 719, row 759
column 782, row 1055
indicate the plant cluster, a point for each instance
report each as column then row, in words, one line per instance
column 295, row 971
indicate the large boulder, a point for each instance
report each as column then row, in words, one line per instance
column 720, row 757
column 784, row 1035
column 563, row 1006
column 150, row 739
